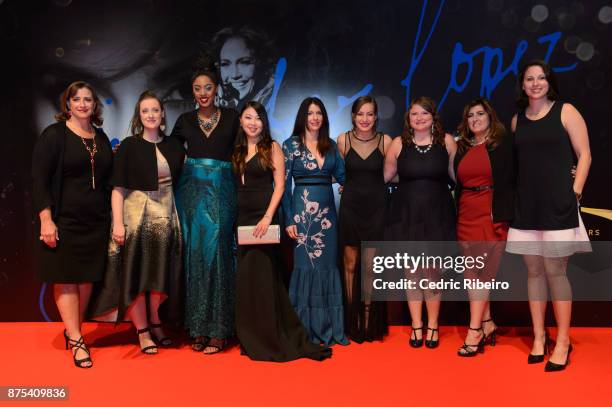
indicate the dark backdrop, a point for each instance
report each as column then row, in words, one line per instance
column 452, row 51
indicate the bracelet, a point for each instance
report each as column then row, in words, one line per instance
column 578, row 196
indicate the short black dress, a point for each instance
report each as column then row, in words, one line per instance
column 81, row 213
column 422, row 207
column 362, row 211
column 266, row 323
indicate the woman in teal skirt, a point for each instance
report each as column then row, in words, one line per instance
column 206, row 205
column 311, row 160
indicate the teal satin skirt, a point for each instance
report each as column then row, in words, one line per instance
column 206, row 206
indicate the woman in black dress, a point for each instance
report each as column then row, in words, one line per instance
column 71, row 164
column 144, row 257
column 266, row 324
column 547, row 228
column 206, row 204
column 361, row 217
column 422, row 207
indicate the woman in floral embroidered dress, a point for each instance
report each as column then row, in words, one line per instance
column 311, row 160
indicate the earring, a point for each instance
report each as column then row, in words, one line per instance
column 432, row 128
column 162, row 127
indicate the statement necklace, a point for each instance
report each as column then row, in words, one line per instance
column 426, row 149
column 209, row 124
column 92, row 152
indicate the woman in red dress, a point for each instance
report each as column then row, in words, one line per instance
column 484, row 195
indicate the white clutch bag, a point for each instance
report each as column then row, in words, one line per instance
column 245, row 235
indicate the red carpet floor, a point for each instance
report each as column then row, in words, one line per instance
column 376, row 374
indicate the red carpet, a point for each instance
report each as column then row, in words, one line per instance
column 377, row 374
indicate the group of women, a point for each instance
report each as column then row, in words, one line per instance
column 169, row 250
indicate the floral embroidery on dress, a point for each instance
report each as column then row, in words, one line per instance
column 306, row 157
column 312, row 222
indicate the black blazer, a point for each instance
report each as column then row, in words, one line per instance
column 47, row 167
column 503, row 166
column 135, row 163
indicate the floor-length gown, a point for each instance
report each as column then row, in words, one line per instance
column 266, row 323
column 315, row 289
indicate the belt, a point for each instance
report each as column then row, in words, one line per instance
column 479, row 188
column 313, row 180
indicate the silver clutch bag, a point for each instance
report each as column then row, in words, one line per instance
column 245, row 235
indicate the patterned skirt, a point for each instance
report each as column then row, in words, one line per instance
column 206, row 204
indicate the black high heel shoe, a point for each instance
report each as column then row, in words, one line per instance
column 164, row 341
column 74, row 347
column 555, row 367
column 532, row 359
column 491, row 337
column 430, row 343
column 147, row 350
column 414, row 342
column 467, row 350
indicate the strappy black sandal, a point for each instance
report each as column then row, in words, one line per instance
column 74, row 348
column 218, row 346
column 470, row 350
column 147, row 350
column 199, row 343
column 164, row 341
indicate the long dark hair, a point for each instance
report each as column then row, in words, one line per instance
column 136, row 126
column 496, row 128
column 429, row 105
column 301, row 119
column 69, row 92
column 264, row 145
column 522, row 101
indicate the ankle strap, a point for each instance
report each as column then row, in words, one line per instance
column 142, row 331
column 432, row 329
column 155, row 325
column 475, row 329
column 487, row 320
column 417, row 329
column 79, row 343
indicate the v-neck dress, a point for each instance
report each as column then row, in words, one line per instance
column 206, row 205
column 363, row 207
column 315, row 288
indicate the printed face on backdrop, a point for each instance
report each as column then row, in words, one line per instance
column 535, row 83
column 251, row 123
column 478, row 120
column 237, row 66
column 151, row 114
column 314, row 121
column 420, row 119
column 365, row 118
column 204, row 90
column 81, row 105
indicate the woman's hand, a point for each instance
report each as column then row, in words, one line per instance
column 262, row 227
column 119, row 233
column 48, row 233
column 291, row 231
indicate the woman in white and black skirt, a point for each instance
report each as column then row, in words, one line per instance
column 547, row 228
column 71, row 164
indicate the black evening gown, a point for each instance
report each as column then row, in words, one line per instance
column 362, row 215
column 266, row 324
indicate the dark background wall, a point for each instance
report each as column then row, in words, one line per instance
column 450, row 50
